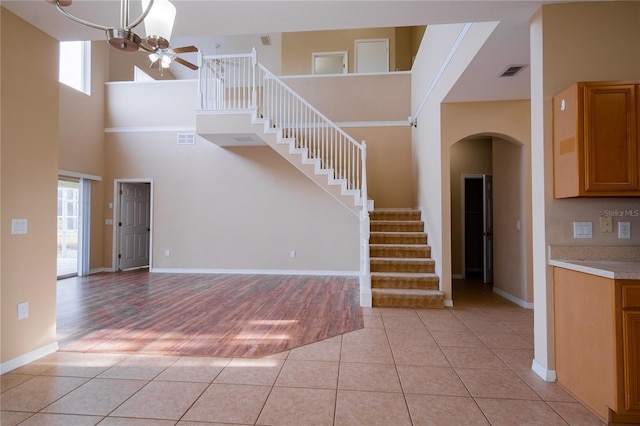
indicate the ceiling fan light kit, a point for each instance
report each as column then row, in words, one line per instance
column 158, row 17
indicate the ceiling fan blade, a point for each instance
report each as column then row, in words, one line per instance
column 185, row 49
column 186, row 63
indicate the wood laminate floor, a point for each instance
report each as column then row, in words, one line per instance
column 203, row 314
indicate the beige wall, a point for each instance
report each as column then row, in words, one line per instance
column 297, row 47
column 219, row 208
column 29, row 98
column 355, row 97
column 572, row 42
column 389, row 180
column 469, row 156
column 82, row 141
column 371, row 108
column 508, row 123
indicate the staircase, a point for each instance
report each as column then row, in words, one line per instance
column 402, row 271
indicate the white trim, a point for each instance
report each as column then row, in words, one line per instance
column 546, row 375
column 67, row 173
column 25, row 359
column 448, row 303
column 285, row 77
column 402, row 123
column 253, row 271
column 119, row 83
column 99, row 270
column 148, row 129
column 512, row 298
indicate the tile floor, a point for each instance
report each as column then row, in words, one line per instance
column 470, row 365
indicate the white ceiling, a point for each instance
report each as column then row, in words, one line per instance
column 209, row 22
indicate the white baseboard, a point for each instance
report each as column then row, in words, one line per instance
column 513, row 299
column 25, row 359
column 546, row 375
column 98, row 270
column 254, row 272
column 448, row 303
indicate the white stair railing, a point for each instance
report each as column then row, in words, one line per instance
column 240, row 83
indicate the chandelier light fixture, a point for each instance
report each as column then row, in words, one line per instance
column 158, row 17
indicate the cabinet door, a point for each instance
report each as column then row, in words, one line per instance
column 610, row 138
column 631, row 340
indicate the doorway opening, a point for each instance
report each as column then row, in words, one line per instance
column 132, row 224
column 478, row 227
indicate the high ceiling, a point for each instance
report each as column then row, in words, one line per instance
column 209, row 19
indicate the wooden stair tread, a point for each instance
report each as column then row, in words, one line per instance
column 413, row 275
column 408, row 292
column 402, row 259
column 399, row 246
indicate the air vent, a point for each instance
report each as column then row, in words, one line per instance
column 266, row 40
column 186, row 138
column 512, row 70
column 243, row 139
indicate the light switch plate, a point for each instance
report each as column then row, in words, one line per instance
column 582, row 229
column 19, row 226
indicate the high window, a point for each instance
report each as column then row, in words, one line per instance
column 75, row 65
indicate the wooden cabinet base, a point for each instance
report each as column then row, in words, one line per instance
column 623, row 419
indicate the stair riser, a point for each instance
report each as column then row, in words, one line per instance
column 423, row 252
column 407, row 302
column 397, row 227
column 402, row 267
column 395, row 215
column 419, row 238
column 404, row 283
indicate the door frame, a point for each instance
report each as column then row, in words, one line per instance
column 463, row 178
column 117, row 185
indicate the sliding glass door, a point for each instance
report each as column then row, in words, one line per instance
column 68, row 226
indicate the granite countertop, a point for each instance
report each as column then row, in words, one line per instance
column 609, row 262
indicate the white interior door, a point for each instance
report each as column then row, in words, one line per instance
column 330, row 62
column 134, row 225
column 372, row 56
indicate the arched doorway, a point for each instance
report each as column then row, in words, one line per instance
column 501, row 157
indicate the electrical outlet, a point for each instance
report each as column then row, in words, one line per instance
column 167, row 252
column 624, row 230
column 23, row 310
column 293, row 253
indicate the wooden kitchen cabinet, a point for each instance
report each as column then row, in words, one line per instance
column 597, row 342
column 596, row 140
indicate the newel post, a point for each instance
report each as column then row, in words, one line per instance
column 365, row 267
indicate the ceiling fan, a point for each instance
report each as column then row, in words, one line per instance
column 158, row 17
